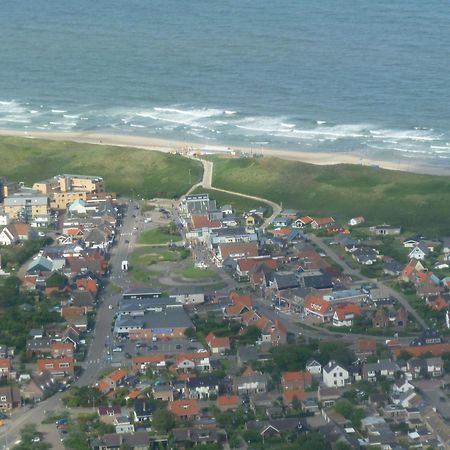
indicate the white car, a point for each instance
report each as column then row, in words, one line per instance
column 110, row 307
column 117, row 349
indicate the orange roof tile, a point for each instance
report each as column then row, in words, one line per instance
column 117, row 375
column 317, row 304
column 300, row 376
column 184, row 407
column 348, row 309
column 434, row 349
column 288, row 396
column 228, row 400
column 215, row 341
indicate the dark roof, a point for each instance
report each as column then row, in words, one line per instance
column 206, row 381
column 144, row 407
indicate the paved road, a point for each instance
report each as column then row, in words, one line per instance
column 98, row 358
column 208, row 169
column 348, row 270
column 101, row 343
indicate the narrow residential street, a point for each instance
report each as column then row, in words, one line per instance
column 319, row 242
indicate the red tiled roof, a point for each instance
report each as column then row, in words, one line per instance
column 184, row 407
column 364, row 345
column 281, row 231
column 434, row 349
column 228, row 400
column 317, row 304
column 117, row 375
column 323, row 220
column 344, row 310
column 247, row 249
column 202, row 221
column 214, row 341
column 5, row 363
column 306, row 220
column 300, row 376
column 288, row 396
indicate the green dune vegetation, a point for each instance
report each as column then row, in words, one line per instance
column 127, row 171
column 420, row 203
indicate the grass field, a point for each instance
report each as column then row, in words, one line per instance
column 417, row 202
column 239, row 204
column 127, row 171
column 197, row 273
column 158, row 236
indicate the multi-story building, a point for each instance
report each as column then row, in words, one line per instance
column 65, row 189
column 26, row 206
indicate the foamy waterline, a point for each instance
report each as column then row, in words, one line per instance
column 231, row 127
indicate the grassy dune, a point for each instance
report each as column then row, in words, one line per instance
column 417, row 202
column 126, row 171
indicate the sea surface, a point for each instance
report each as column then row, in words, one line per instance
column 362, row 76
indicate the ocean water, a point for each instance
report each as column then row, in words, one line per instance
column 362, row 76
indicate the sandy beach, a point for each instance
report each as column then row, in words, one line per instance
column 162, row 145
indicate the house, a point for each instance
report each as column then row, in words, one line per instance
column 302, row 222
column 434, row 367
column 58, row 367
column 236, row 250
column 202, row 387
column 163, row 392
column 314, row 367
column 142, row 363
column 5, row 367
column 299, row 380
column 401, row 386
column 108, row 414
column 382, row 368
column 356, row 221
column 186, row 362
column 334, row 375
column 318, row 307
column 228, row 402
column 281, row 222
column 123, row 425
column 143, row 409
column 217, row 344
column 386, row 230
column 420, row 350
column 9, row 398
column 140, row 440
column 344, row 314
column 419, row 252
column 291, row 395
column 62, row 349
column 198, row 436
column 185, row 409
column 322, row 222
column 240, row 305
column 252, row 383
column 366, row 347
column 13, row 233
column 112, row 381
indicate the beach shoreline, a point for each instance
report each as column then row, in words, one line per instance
column 169, row 146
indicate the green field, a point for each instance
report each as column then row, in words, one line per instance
column 127, row 171
column 417, row 202
column 240, row 204
column 158, row 236
column 197, row 273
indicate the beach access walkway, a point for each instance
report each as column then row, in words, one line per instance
column 206, row 183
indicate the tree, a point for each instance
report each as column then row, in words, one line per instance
column 163, row 420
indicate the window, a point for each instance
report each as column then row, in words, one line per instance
column 334, row 374
column 340, row 374
column 64, row 364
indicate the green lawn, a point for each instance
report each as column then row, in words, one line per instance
column 127, row 171
column 417, row 202
column 197, row 273
column 158, row 236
